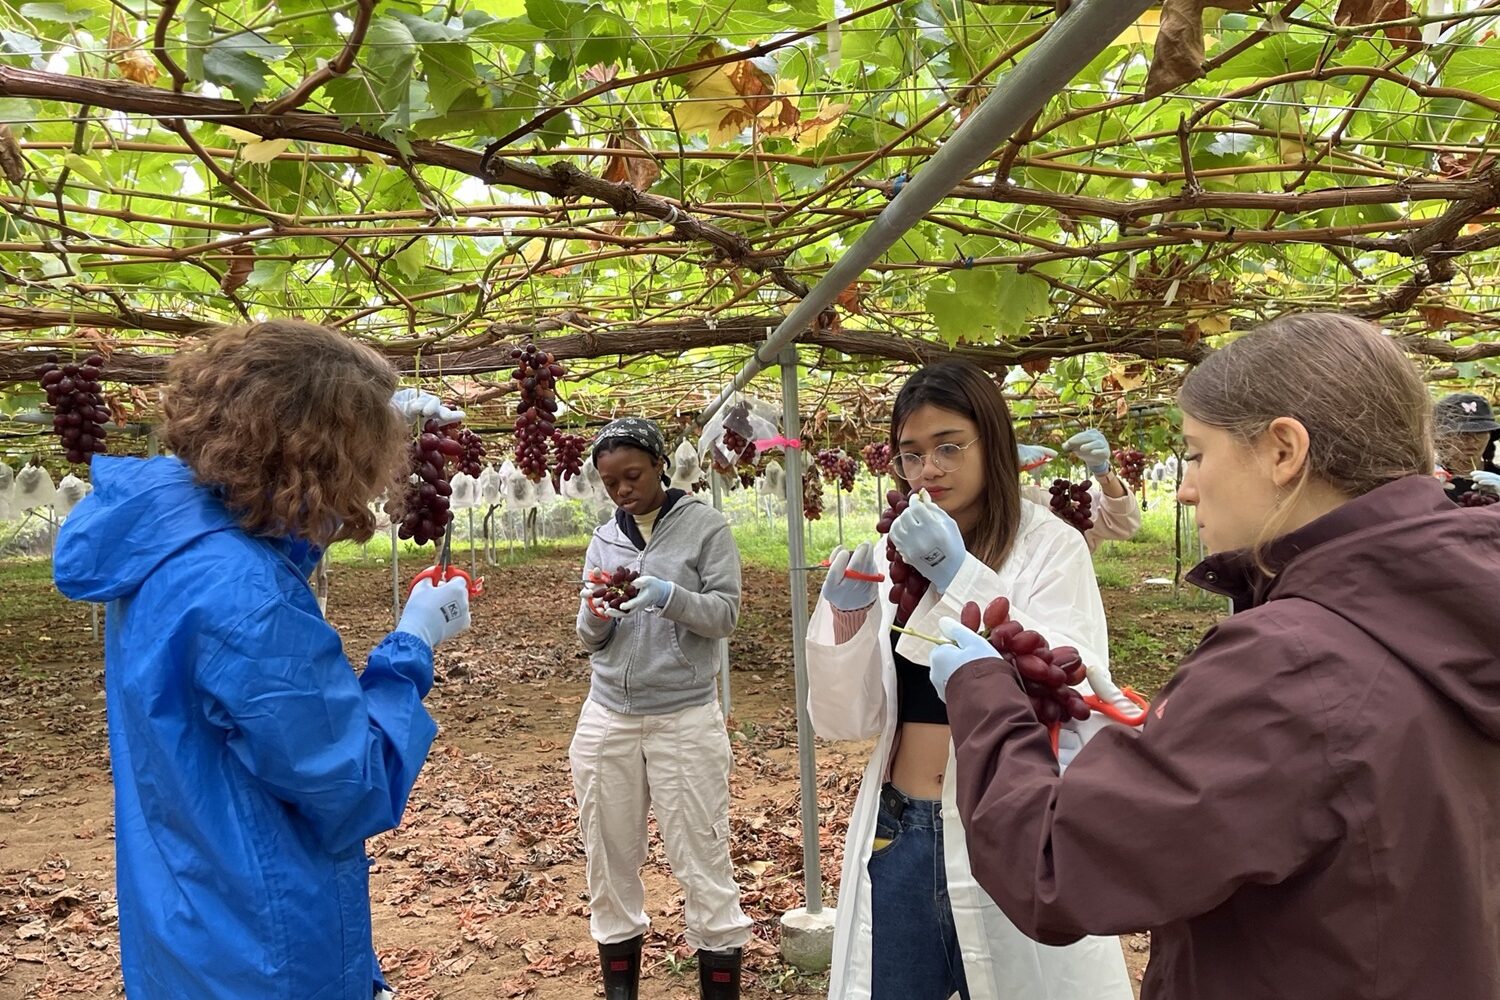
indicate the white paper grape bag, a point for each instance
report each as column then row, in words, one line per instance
column 34, row 488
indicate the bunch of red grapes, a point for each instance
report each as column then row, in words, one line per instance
column 536, row 375
column 1474, row 498
column 424, row 507
column 612, row 589
column 567, row 450
column 812, row 494
column 77, row 402
column 828, row 460
column 878, row 459
column 1132, row 466
column 747, row 476
column 736, row 444
column 471, row 459
column 1047, row 674
column 907, row 585
column 1072, row 503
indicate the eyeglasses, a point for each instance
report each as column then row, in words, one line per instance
column 945, row 458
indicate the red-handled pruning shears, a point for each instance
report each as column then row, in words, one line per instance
column 445, row 570
column 855, row 574
column 1114, row 714
column 597, row 577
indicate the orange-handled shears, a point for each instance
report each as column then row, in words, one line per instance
column 445, row 570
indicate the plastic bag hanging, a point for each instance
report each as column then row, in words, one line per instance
column 773, row 480
column 70, row 490
column 489, row 486
column 749, row 419
column 546, row 492
column 577, row 488
column 685, row 469
column 34, row 488
column 7, row 492
column 519, row 492
column 465, row 487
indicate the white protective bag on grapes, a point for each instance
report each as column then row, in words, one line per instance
column 519, row 492
column 684, row 468
column 577, row 488
column 7, row 492
column 34, row 488
column 546, row 493
column 70, row 490
column 489, row 486
column 465, row 490
column 748, row 417
column 382, row 519
column 772, row 482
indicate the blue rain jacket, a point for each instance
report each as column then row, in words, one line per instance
column 250, row 763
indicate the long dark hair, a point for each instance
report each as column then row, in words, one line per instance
column 960, row 387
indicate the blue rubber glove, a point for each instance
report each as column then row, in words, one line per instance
column 969, row 647
column 844, row 593
column 649, row 593
column 414, row 405
column 1034, row 455
column 436, row 613
column 1488, row 481
column 930, row 542
column 1092, row 449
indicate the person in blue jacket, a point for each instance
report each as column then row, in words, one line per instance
column 250, row 761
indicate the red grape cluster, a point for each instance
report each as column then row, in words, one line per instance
column 1047, row 674
column 747, row 476
column 536, row 375
column 1474, row 498
column 907, row 585
column 567, row 452
column 1072, row 503
column 424, row 508
column 612, row 589
column 812, row 494
column 1132, row 466
column 471, row 461
column 828, row 460
column 736, row 444
column 878, row 459
column 848, row 469
column 77, row 402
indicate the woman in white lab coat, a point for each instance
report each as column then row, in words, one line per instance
column 912, row 922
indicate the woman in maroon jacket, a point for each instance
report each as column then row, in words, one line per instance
column 1312, row 809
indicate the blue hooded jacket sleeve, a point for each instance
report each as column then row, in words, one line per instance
column 344, row 751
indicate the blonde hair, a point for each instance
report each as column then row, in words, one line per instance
column 1367, row 414
column 291, row 422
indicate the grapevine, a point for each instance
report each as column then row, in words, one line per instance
column 907, row 585
column 1072, row 503
column 79, row 413
column 536, row 376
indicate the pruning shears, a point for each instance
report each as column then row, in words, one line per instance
column 597, row 577
column 1114, row 714
column 855, row 574
column 445, row 570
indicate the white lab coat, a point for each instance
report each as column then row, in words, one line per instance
column 1050, row 582
column 1115, row 518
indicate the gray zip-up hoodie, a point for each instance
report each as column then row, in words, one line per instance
column 652, row 663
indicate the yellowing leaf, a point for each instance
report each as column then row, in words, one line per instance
column 1143, row 31
column 264, row 151
column 817, row 128
column 1211, row 324
column 724, row 100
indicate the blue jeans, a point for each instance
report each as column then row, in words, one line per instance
column 915, row 954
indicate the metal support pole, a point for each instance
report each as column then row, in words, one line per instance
column 838, row 498
column 796, row 561
column 473, row 566
column 1073, row 41
column 153, row 448
column 722, row 646
column 395, row 578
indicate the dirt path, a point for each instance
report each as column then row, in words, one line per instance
column 480, row 893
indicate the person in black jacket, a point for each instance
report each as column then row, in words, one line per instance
column 1464, row 427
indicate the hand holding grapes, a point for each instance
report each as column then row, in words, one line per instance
column 1092, row 449
column 649, row 593
column 929, row 540
column 967, row 646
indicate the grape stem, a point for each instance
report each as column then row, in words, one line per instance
column 935, row 640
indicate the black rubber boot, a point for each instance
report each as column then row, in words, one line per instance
column 622, row 969
column 719, row 974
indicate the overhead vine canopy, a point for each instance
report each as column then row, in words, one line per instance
column 647, row 177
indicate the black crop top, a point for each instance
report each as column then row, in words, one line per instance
column 916, row 699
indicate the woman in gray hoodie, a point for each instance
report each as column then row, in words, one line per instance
column 651, row 734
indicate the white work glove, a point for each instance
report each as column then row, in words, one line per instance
column 414, row 405
column 604, row 609
column 930, row 541
column 970, row 647
column 842, row 592
column 1033, row 456
column 649, row 593
column 436, row 613
column 1486, row 481
column 1092, row 449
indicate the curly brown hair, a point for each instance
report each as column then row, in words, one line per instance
column 291, row 422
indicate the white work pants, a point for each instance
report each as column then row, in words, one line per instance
column 678, row 764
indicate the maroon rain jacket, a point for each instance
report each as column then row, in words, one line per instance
column 1312, row 809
